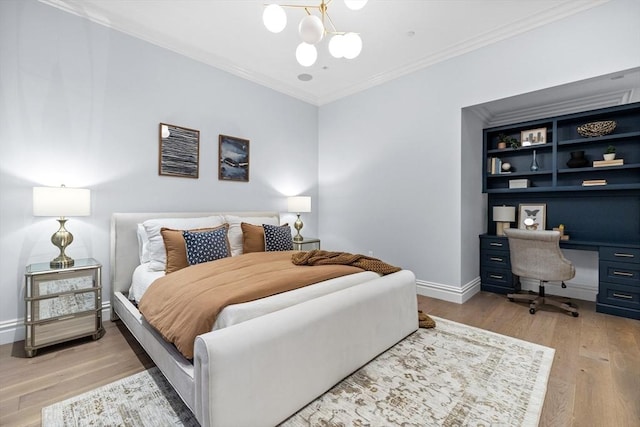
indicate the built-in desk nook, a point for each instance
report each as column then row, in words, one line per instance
column 597, row 204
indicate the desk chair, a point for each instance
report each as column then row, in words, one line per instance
column 537, row 255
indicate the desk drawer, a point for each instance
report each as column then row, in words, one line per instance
column 629, row 255
column 620, row 272
column 619, row 295
column 497, row 276
column 495, row 259
column 495, row 243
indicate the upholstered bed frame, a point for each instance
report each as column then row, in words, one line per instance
column 261, row 371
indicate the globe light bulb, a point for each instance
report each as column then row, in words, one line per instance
column 306, row 54
column 274, row 18
column 311, row 29
column 355, row 4
column 336, row 46
column 351, row 45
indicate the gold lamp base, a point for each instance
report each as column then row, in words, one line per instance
column 61, row 239
column 298, row 226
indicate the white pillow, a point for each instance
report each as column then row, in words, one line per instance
column 235, row 231
column 157, row 251
column 143, row 244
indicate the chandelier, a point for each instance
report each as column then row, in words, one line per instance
column 313, row 29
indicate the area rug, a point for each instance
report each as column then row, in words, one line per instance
column 452, row 375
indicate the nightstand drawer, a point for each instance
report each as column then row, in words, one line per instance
column 63, row 305
column 620, row 272
column 64, row 329
column 620, row 254
column 495, row 259
column 619, row 295
column 63, row 282
column 494, row 243
column 496, row 276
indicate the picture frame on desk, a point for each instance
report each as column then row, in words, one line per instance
column 536, row 136
column 535, row 211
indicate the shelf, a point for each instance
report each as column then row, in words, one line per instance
column 603, row 168
column 605, row 138
column 528, row 149
column 516, row 174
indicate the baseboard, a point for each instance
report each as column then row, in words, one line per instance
column 13, row 330
column 448, row 292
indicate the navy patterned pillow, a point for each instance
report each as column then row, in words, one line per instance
column 277, row 238
column 206, row 246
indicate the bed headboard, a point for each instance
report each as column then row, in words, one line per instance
column 124, row 240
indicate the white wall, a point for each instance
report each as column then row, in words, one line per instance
column 80, row 105
column 391, row 158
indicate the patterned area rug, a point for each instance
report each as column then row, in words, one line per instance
column 452, row 375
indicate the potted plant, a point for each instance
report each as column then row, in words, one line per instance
column 504, row 140
column 610, row 153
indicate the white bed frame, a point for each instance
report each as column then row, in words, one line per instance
column 261, row 371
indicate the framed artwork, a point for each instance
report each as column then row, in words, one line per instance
column 533, row 137
column 179, row 151
column 532, row 216
column 233, row 159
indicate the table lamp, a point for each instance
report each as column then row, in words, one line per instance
column 297, row 205
column 503, row 216
column 61, row 202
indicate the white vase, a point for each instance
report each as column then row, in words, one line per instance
column 609, row 156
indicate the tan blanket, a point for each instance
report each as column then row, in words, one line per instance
column 318, row 257
column 185, row 304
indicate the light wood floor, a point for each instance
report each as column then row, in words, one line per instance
column 595, row 379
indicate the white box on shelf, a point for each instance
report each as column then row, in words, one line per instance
column 518, row 183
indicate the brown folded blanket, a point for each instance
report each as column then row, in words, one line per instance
column 319, row 257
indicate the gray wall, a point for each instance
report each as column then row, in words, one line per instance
column 80, row 104
column 399, row 176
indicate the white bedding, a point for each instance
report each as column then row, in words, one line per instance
column 237, row 313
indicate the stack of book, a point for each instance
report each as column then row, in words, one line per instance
column 590, row 182
column 495, row 166
column 603, row 163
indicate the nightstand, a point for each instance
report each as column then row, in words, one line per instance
column 307, row 244
column 62, row 303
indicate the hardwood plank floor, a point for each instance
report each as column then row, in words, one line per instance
column 595, row 378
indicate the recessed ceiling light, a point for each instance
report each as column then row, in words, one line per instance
column 305, row 77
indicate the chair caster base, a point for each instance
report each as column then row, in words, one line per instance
column 575, row 314
column 532, row 310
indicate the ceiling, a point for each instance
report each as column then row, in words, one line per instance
column 398, row 36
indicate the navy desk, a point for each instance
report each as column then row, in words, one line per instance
column 618, row 272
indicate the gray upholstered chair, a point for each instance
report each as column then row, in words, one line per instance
column 537, row 255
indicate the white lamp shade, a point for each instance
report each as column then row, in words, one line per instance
column 61, row 201
column 311, row 29
column 336, row 46
column 355, row 4
column 299, row 204
column 274, row 18
column 504, row 213
column 351, row 45
column 306, row 54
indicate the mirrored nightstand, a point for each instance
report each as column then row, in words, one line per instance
column 307, row 244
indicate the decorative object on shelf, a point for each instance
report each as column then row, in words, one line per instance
column 233, row 158
column 534, row 163
column 506, row 167
column 605, row 163
column 593, row 182
column 503, row 216
column 179, row 151
column 313, row 28
column 533, row 137
column 506, row 140
column 518, row 183
column 560, row 229
column 298, row 205
column 536, row 213
column 495, row 166
column 600, row 128
column 61, row 202
column 577, row 160
column 609, row 153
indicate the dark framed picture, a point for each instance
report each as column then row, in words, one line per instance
column 233, row 158
column 179, row 151
column 533, row 137
column 532, row 216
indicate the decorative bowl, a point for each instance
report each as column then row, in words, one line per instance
column 597, row 128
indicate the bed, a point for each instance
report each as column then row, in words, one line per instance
column 265, row 360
